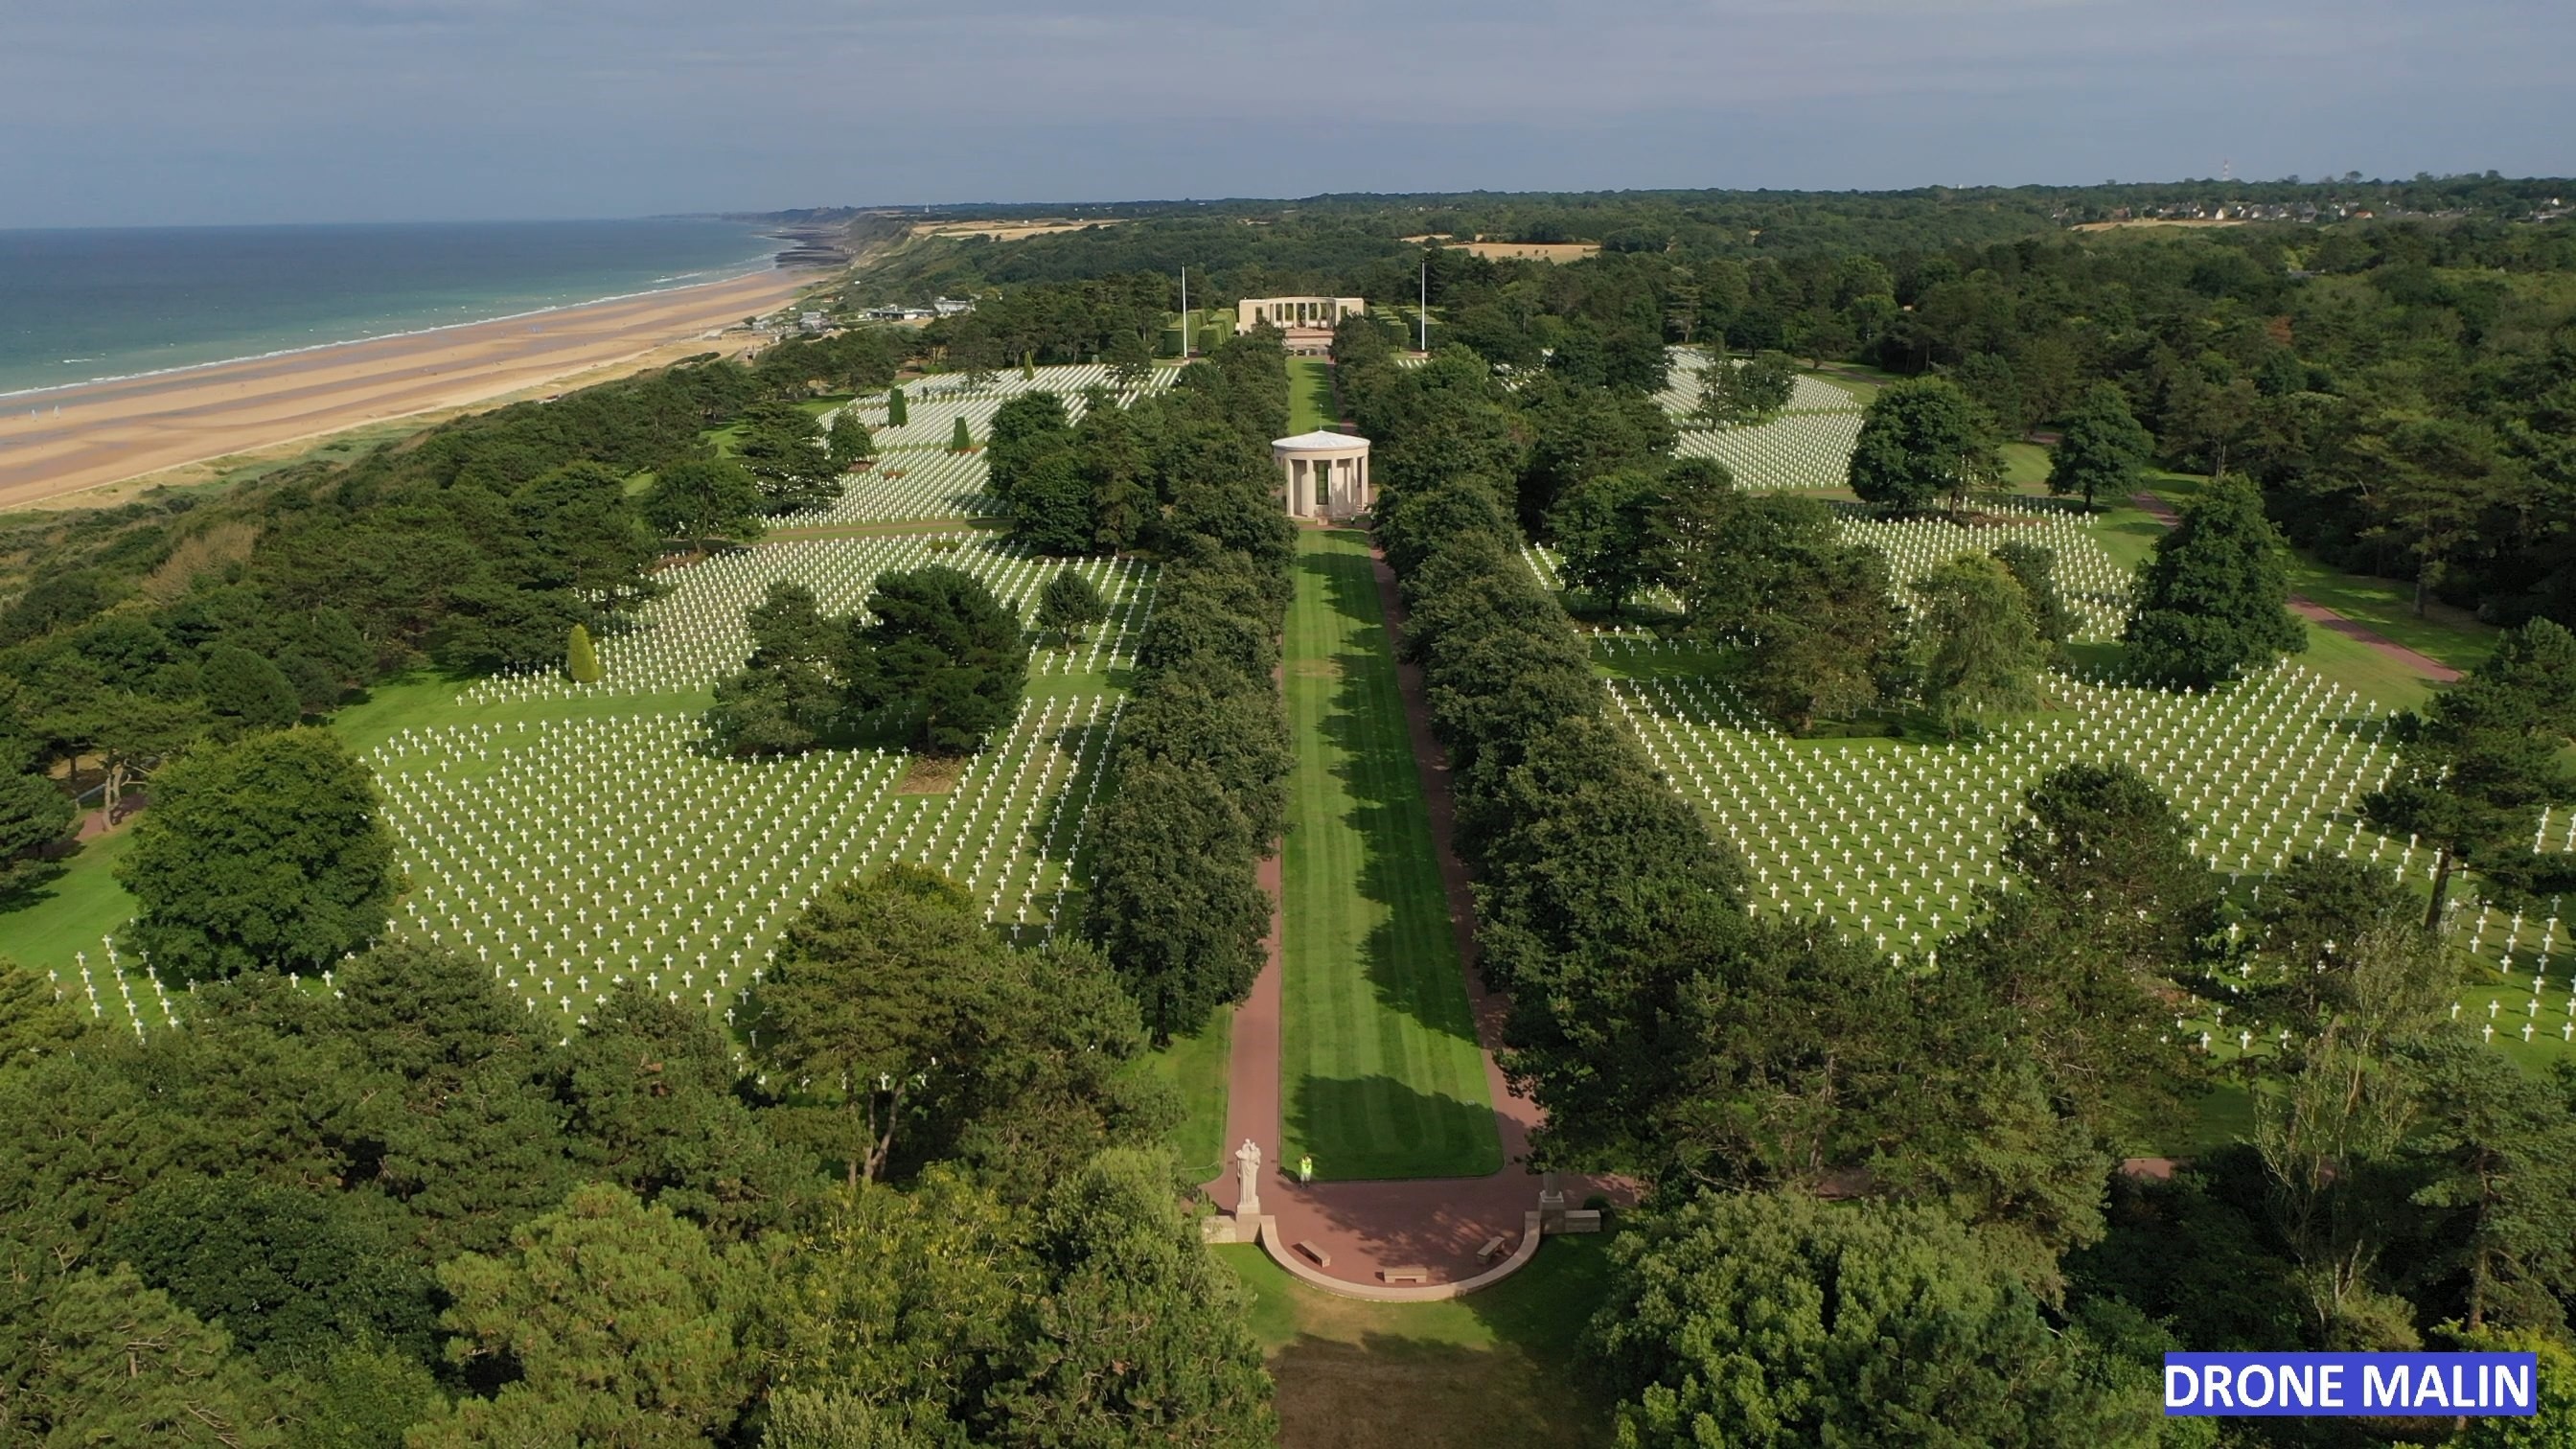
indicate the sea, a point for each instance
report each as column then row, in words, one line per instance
column 89, row 304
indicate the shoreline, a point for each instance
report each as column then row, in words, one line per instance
column 11, row 397
column 111, row 432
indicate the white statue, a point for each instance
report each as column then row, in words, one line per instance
column 1247, row 1178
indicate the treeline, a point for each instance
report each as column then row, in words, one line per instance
column 398, row 1212
column 1975, row 1099
column 1198, row 780
column 477, row 546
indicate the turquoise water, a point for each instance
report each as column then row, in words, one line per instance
column 80, row 305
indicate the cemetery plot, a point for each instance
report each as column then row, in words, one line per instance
column 570, row 855
column 1809, row 445
column 904, row 485
column 933, row 405
column 693, row 635
column 1887, row 842
column 2093, row 585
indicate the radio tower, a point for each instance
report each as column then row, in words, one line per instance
column 2226, row 170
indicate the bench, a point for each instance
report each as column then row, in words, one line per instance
column 1405, row 1275
column 1321, row 1258
column 1493, row 1248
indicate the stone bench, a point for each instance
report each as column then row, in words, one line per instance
column 1493, row 1248
column 1318, row 1256
column 1405, row 1275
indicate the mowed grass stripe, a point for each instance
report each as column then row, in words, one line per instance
column 1380, row 1076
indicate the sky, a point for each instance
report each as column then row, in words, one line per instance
column 168, row 112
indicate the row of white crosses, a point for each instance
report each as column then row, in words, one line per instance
column 1793, row 450
column 694, row 634
column 933, row 405
column 1889, row 842
column 906, row 485
column 151, row 1011
column 1680, row 397
column 571, row 856
column 2093, row 585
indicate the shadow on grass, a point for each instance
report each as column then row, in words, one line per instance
column 1425, row 1135
column 1409, row 957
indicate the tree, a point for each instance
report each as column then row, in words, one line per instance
column 34, row 1022
column 2481, row 764
column 1609, row 531
column 1772, row 574
column 940, row 652
column 704, row 499
column 1140, row 1335
column 846, row 443
column 788, row 695
column 2101, row 449
column 2497, row 1166
column 1130, row 359
column 897, row 412
column 1738, row 394
column 33, row 815
column 1922, row 439
column 265, row 853
column 289, row 1272
column 1777, row 1320
column 1982, row 652
column 246, row 693
column 783, row 450
column 915, row 1034
column 1069, row 604
column 1050, row 504
column 1174, row 906
column 2035, row 568
column 618, row 1323
column 959, row 439
column 2213, row 601
column 2083, row 957
column 120, row 1364
column 1025, row 432
column 581, row 658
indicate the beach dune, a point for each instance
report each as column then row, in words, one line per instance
column 66, row 440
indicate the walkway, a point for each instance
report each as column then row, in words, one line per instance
column 1433, row 1223
column 2155, row 507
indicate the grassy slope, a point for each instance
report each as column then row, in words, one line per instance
column 1379, row 1069
column 1494, row 1370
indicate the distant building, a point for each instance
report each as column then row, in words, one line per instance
column 1306, row 322
column 813, row 323
column 952, row 306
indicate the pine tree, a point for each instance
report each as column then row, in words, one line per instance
column 2214, row 600
column 847, row 443
column 896, row 415
column 2481, row 764
column 245, row 692
column 959, row 439
column 581, row 658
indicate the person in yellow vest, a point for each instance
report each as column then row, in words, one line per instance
column 1306, row 1168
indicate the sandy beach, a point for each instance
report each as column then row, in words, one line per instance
column 107, row 432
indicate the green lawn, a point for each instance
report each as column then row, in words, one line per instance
column 1493, row 1370
column 1196, row 1065
column 1310, row 394
column 72, row 911
column 1379, row 1071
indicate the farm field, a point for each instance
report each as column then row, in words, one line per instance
column 1381, row 1076
column 1493, row 1370
column 572, row 837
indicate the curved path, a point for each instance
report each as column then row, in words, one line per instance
column 1432, row 1223
column 2155, row 507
